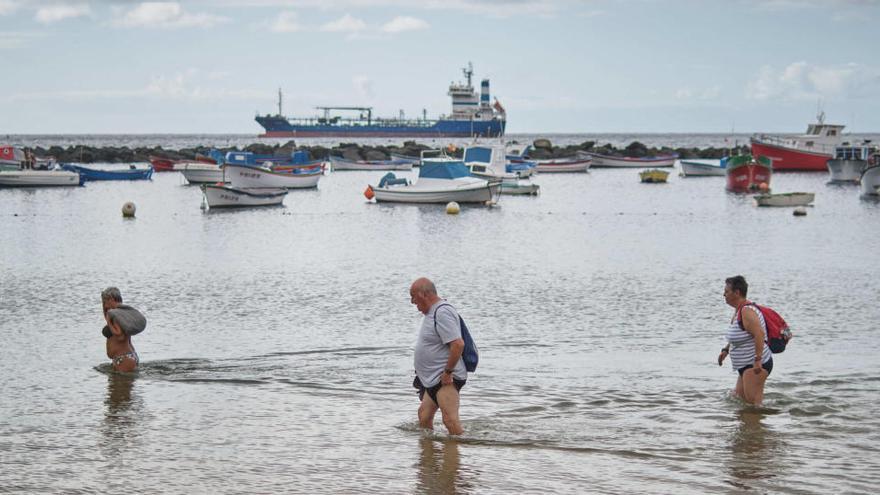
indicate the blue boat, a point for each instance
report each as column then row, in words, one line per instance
column 472, row 115
column 131, row 173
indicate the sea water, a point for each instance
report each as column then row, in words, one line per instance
column 278, row 354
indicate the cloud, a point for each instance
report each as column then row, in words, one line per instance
column 165, row 15
column 191, row 85
column 403, row 23
column 287, row 22
column 363, row 85
column 345, row 24
column 54, row 13
column 803, row 81
column 8, row 6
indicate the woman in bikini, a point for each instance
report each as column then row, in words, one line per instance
column 119, row 347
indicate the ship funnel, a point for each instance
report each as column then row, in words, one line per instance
column 484, row 93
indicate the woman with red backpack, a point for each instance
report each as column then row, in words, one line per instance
column 746, row 342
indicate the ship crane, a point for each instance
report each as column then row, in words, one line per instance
column 368, row 111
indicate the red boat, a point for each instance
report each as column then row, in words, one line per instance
column 807, row 152
column 745, row 174
column 162, row 164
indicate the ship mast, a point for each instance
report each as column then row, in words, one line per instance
column 279, row 102
column 468, row 72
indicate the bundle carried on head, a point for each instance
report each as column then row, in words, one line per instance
column 130, row 320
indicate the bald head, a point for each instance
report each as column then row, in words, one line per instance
column 423, row 294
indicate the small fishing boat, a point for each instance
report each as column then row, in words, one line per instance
column 785, row 199
column 161, row 164
column 90, row 173
column 40, row 178
column 339, row 163
column 521, row 168
column 414, row 160
column 226, row 196
column 520, row 187
column 490, row 163
column 703, row 168
column 746, row 174
column 438, row 182
column 12, row 158
column 608, row 161
column 200, row 173
column 848, row 162
column 806, row 152
column 870, row 178
column 654, row 176
column 564, row 165
column 242, row 170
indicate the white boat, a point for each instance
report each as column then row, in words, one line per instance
column 572, row 164
column 848, row 162
column 702, row 168
column 519, row 187
column 247, row 176
column 339, row 163
column 870, row 179
column 39, row 178
column 785, row 199
column 438, row 182
column 414, row 160
column 609, row 161
column 200, row 173
column 225, row 196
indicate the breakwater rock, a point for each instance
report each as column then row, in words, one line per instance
column 541, row 149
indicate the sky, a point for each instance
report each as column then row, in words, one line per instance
column 557, row 66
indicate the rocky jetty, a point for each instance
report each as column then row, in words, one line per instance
column 541, row 149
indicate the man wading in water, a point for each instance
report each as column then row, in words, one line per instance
column 119, row 347
column 440, row 371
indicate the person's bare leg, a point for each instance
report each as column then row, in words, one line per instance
column 427, row 409
column 738, row 391
column 448, row 398
column 753, row 386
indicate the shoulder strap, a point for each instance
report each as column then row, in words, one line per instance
column 435, row 315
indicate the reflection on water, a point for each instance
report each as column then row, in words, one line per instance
column 439, row 467
column 122, row 412
column 754, row 449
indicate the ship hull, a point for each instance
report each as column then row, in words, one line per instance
column 280, row 127
column 791, row 159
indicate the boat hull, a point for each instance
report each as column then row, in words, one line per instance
column 162, row 164
column 563, row 166
column 845, row 171
column 746, row 175
column 653, row 176
column 870, row 181
column 519, row 188
column 791, row 159
column 605, row 161
column 200, row 173
column 464, row 193
column 787, row 199
column 277, row 126
column 40, row 178
column 241, row 176
column 91, row 174
column 337, row 163
column 224, row 196
column 702, row 168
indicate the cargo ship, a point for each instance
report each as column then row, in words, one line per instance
column 473, row 115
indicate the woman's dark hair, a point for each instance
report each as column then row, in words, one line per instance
column 738, row 284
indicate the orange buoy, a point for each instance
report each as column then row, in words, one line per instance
column 368, row 192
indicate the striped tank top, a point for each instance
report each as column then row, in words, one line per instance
column 742, row 344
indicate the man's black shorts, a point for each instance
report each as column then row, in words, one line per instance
column 432, row 391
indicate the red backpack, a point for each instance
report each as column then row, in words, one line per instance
column 778, row 333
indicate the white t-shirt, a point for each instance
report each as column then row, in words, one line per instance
column 432, row 346
column 742, row 344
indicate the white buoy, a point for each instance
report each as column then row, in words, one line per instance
column 128, row 209
column 800, row 211
column 452, row 208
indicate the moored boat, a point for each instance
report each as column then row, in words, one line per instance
column 608, row 161
column 161, row 164
column 702, row 168
column 806, row 152
column 519, row 187
column 414, row 160
column 847, row 164
column 226, row 196
column 870, row 178
column 653, row 176
column 39, row 178
column 339, row 163
column 560, row 165
column 242, row 170
column 490, row 163
column 785, row 199
column 747, row 174
column 130, row 173
column 438, row 182
column 200, row 173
